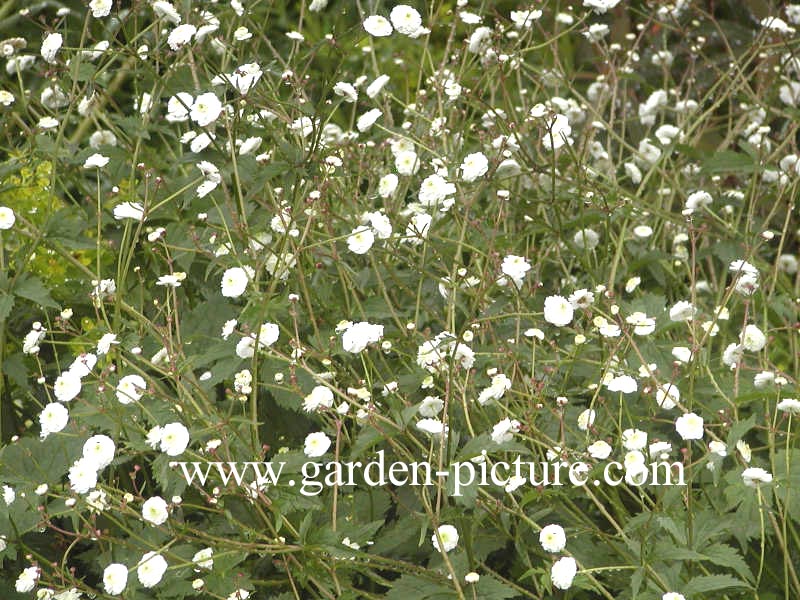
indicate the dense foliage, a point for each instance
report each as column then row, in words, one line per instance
column 457, row 232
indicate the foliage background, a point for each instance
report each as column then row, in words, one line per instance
column 715, row 538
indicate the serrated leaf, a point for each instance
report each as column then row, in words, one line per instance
column 712, row 583
column 411, row 586
column 728, row 556
column 489, row 588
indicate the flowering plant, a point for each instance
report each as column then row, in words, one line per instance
column 248, row 250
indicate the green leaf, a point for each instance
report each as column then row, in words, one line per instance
column 728, row 556
column 31, row 288
column 728, row 162
column 636, row 582
column 712, row 583
column 490, row 588
column 411, row 586
column 6, row 304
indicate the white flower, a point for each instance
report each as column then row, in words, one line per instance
column 642, row 324
column 234, row 282
column 359, row 335
column 434, row 190
column 27, row 580
column 552, row 538
column 479, row 40
column 432, row 426
column 622, row 383
column 104, row 344
column 7, row 218
column 430, row 406
column 742, row 266
column 586, row 239
column 30, row 344
column 732, row 355
column 377, row 26
column 406, row 162
column 360, row 240
column 504, row 431
column 83, row 364
column 558, row 133
column 786, row 262
column 753, row 339
column 129, row 210
column 558, row 311
column 515, row 267
column 151, row 569
column 320, row 396
column 155, row 510
column 682, row 311
column 96, row 161
column 9, row 495
column 380, row 223
column 50, row 46
column 181, row 35
column 387, row 185
column 673, row 596
column 268, row 334
column 205, row 109
column 698, row 200
column 346, row 91
column 689, row 426
column 474, row 165
column 776, row 24
column 668, row 396
column 245, row 77
column 367, row 120
column 753, row 476
column 500, row 384
column 449, row 537
column 178, row 107
column 153, row 438
column 405, row 19
column 418, row 228
column 316, row 444
column 245, row 348
column 100, row 8
column 524, row 19
column 203, row 558
column 171, row 280
column 83, row 475
column 666, row 133
column 174, row 439
column 599, row 450
column 97, row 501
column 718, row 448
column 789, row 405
column 165, row 10
column 115, row 578
column 67, row 386
column 374, row 88
column 100, row 450
column 586, row 419
column 242, row 34
column 130, row 389
column 53, row 418
column 634, row 439
column 563, row 571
